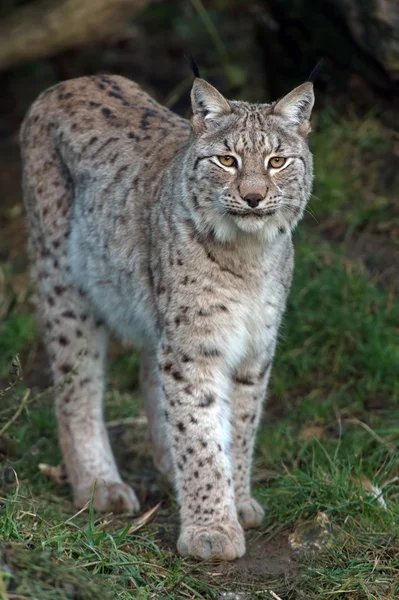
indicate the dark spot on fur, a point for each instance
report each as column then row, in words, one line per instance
column 207, row 401
column 106, row 112
column 145, row 123
column 244, row 381
column 177, row 376
column 63, row 340
column 66, row 368
column 115, row 95
column 59, row 290
column 205, row 351
column 181, row 427
column 221, row 307
column 133, row 136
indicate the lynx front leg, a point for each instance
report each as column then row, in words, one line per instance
column 76, row 341
column 198, row 415
column 249, row 391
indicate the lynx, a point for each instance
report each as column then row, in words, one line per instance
column 175, row 235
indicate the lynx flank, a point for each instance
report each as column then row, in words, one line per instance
column 177, row 236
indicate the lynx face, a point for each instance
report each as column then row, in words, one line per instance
column 252, row 160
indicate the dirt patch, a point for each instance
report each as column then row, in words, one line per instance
column 265, row 558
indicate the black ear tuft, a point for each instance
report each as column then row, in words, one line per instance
column 194, row 67
column 316, row 70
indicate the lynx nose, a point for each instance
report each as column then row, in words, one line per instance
column 253, row 199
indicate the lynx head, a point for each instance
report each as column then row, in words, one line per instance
column 251, row 166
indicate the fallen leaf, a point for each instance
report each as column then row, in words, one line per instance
column 371, row 489
column 57, row 474
column 313, row 431
column 146, row 518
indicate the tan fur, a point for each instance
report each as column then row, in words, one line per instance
column 135, row 226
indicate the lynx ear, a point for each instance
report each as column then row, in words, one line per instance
column 296, row 106
column 207, row 104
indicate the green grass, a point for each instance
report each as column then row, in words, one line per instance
column 332, row 426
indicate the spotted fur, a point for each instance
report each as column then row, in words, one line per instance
column 135, row 226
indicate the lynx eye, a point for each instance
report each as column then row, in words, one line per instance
column 227, row 161
column 277, row 162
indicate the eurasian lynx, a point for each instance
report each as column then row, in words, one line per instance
column 176, row 236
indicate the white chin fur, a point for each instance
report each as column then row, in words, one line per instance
column 250, row 225
column 227, row 228
column 230, row 229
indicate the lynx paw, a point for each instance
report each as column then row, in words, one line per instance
column 212, row 542
column 109, row 497
column 250, row 513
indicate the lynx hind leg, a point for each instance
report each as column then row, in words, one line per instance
column 154, row 405
column 75, row 341
column 76, row 344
